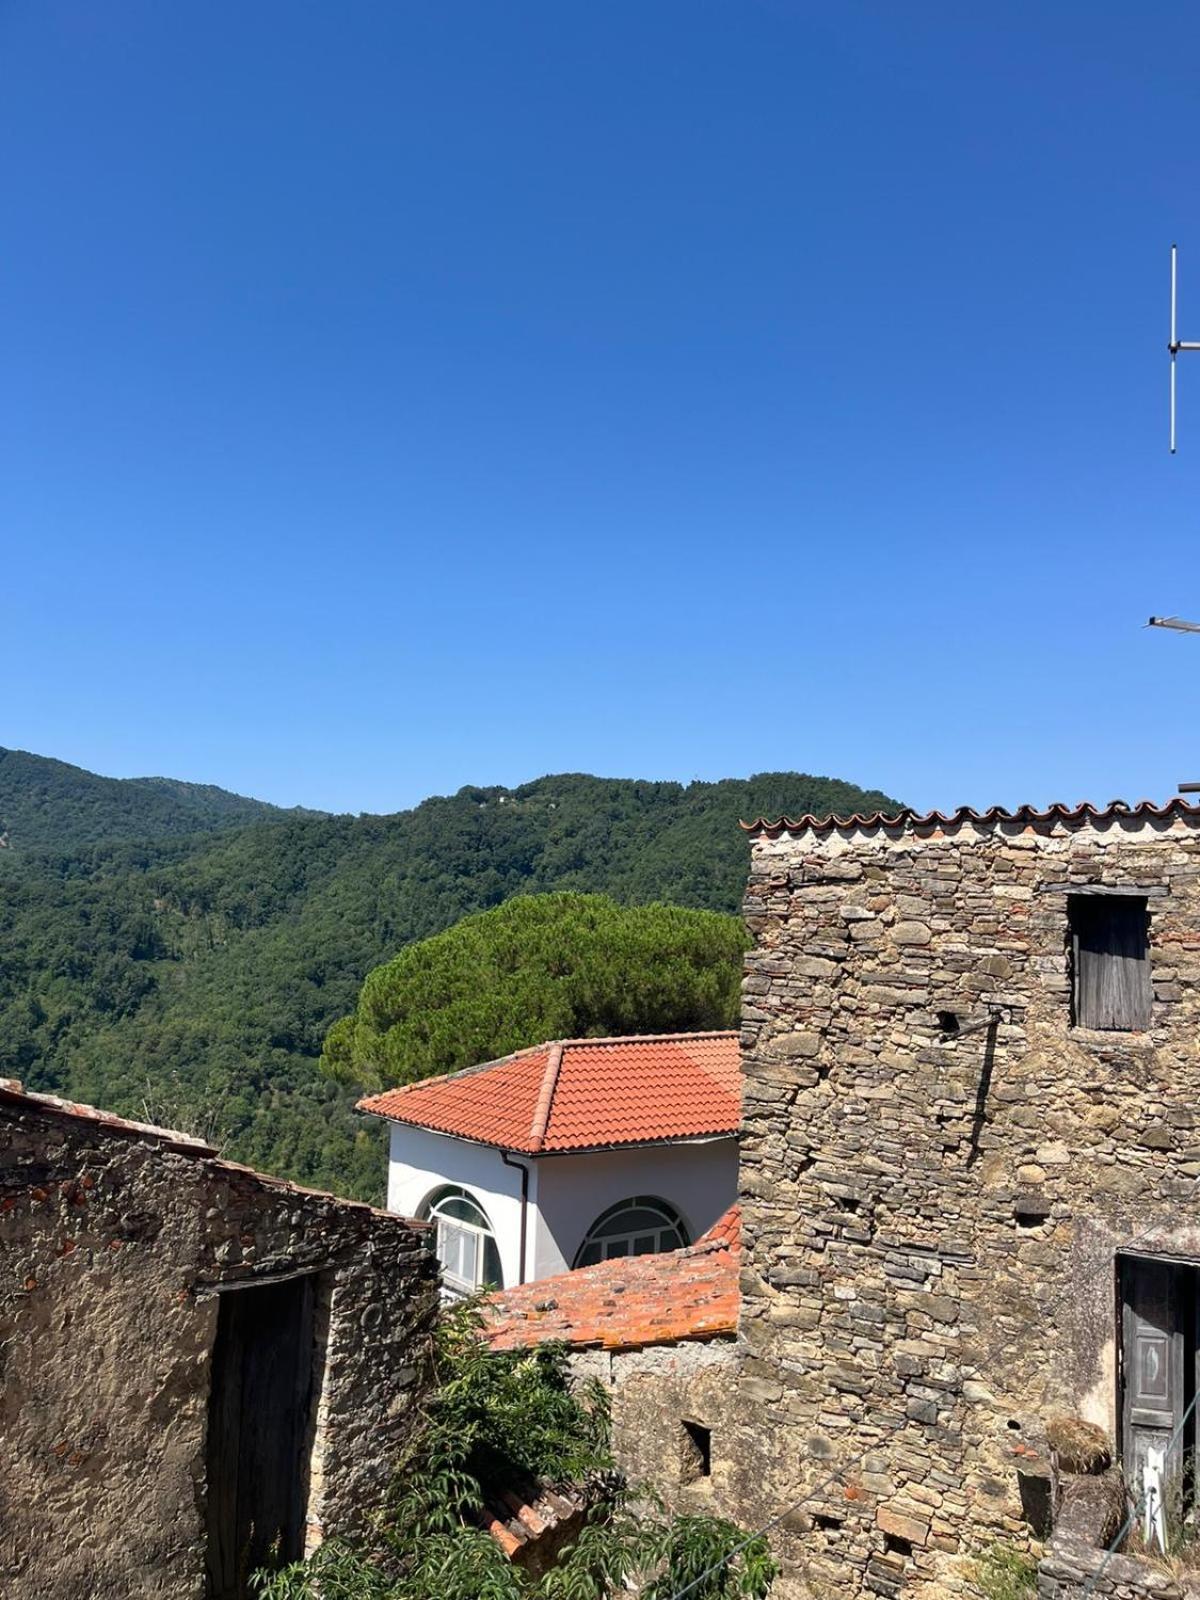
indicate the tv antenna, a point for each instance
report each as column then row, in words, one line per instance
column 1177, row 623
column 1176, row 344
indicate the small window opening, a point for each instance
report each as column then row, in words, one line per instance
column 894, row 1545
column 822, row 1519
column 1031, row 1210
column 1111, row 988
column 697, row 1451
column 848, row 1202
column 947, row 1022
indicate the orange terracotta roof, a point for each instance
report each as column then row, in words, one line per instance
column 627, row 1304
column 582, row 1094
column 1143, row 811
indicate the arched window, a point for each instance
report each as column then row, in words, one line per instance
column 637, row 1227
column 466, row 1245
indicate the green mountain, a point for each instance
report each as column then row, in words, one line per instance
column 193, row 978
column 49, row 805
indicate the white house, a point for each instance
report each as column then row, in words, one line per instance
column 572, row 1152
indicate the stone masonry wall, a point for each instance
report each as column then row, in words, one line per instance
column 930, row 1224
column 112, row 1246
column 653, row 1393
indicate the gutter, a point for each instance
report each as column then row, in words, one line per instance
column 522, row 1168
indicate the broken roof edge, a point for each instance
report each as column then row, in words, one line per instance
column 603, row 1306
column 908, row 818
column 13, row 1092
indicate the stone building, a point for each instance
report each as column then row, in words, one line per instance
column 659, row 1332
column 969, row 1162
column 202, row 1369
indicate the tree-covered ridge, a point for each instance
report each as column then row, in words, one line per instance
column 197, row 977
column 50, row 805
column 547, row 966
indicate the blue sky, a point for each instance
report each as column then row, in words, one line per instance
column 396, row 394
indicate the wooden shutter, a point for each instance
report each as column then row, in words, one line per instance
column 1112, row 963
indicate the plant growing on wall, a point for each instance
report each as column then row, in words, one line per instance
column 497, row 1418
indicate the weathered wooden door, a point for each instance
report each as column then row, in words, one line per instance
column 1154, row 1316
column 257, row 1431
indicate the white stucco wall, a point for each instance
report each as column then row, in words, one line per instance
column 421, row 1161
column 700, row 1181
column 566, row 1193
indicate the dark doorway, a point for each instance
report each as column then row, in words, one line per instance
column 1158, row 1368
column 258, row 1415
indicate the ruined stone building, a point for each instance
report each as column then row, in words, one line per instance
column 202, row 1370
column 968, row 1175
column 659, row 1331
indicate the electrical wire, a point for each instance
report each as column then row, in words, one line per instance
column 1090, row 1585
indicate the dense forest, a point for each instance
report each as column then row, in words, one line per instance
column 193, row 975
column 49, row 805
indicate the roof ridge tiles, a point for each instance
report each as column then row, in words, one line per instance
column 907, row 817
column 545, row 1099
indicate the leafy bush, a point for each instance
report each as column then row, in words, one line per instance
column 498, row 1418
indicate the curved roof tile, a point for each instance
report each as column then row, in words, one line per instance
column 1143, row 811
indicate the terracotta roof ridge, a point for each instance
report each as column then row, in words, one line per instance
column 545, row 1099
column 652, row 1038
column 367, row 1101
column 1144, row 810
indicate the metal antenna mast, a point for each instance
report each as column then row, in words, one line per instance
column 1175, row 346
column 1177, row 623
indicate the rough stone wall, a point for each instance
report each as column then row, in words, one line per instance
column 653, row 1392
column 1072, row 1571
column 111, row 1249
column 930, row 1224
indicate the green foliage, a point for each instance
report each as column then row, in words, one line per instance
column 550, row 966
column 208, row 969
column 1005, row 1573
column 48, row 805
column 497, row 1420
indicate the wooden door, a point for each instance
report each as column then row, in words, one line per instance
column 1153, row 1362
column 257, row 1432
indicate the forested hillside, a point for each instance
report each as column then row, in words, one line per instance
column 48, row 805
column 200, row 975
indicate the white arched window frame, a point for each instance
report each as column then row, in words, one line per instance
column 640, row 1226
column 466, row 1244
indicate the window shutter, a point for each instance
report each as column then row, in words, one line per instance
column 1112, row 966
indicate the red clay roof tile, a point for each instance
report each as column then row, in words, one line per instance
column 624, row 1305
column 582, row 1094
column 1143, row 811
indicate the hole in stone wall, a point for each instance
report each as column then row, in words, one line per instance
column 896, row 1546
column 1014, row 1424
column 947, row 1022
column 1036, row 1504
column 847, row 1202
column 696, row 1452
column 823, row 1519
column 1031, row 1210
column 803, row 1164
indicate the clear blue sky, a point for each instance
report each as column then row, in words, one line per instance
column 396, row 394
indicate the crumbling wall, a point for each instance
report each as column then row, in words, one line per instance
column 653, row 1393
column 113, row 1248
column 929, row 1223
